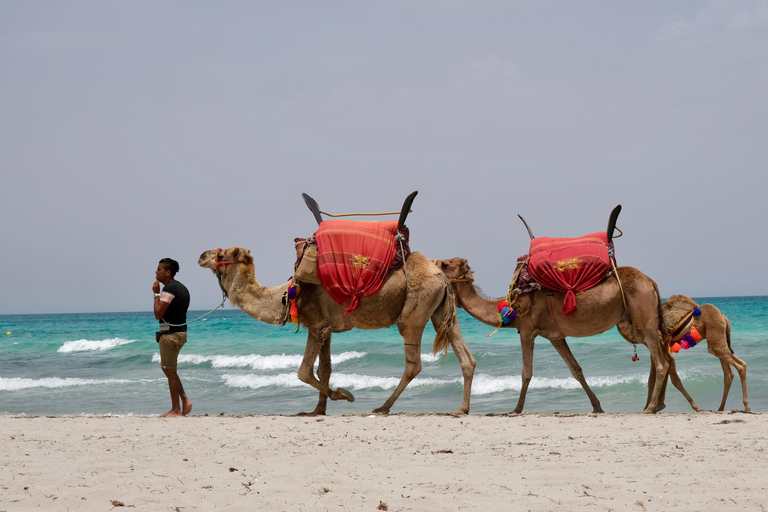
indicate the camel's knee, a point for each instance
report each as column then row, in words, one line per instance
column 305, row 375
column 412, row 369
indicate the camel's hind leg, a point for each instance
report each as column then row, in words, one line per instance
column 412, row 341
column 316, row 341
column 565, row 352
column 467, row 362
column 527, row 343
column 727, row 359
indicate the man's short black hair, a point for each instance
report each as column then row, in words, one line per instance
column 170, row 264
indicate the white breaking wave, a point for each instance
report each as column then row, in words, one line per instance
column 257, row 362
column 18, row 383
column 85, row 345
column 485, row 385
column 349, row 381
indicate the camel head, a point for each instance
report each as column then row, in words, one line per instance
column 456, row 269
column 214, row 259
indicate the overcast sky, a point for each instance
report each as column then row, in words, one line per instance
column 131, row 131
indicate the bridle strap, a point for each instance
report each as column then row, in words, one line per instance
column 219, row 264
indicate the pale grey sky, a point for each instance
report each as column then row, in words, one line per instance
column 132, row 131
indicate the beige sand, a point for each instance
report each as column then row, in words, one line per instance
column 680, row 462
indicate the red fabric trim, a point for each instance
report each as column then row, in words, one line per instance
column 569, row 265
column 353, row 258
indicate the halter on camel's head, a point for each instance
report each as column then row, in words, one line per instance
column 467, row 276
column 235, row 256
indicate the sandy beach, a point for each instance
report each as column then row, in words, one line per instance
column 685, row 462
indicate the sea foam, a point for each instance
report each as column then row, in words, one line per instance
column 86, row 345
column 17, row 383
column 485, row 385
column 256, row 361
column 350, row 381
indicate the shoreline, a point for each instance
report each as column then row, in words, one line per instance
column 402, row 461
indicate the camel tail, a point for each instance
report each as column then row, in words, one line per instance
column 728, row 333
column 449, row 319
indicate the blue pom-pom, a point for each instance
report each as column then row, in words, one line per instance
column 292, row 293
column 507, row 315
column 691, row 343
column 696, row 311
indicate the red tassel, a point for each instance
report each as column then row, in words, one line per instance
column 569, row 303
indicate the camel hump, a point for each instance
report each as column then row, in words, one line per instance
column 612, row 222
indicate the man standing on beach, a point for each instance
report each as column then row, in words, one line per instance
column 171, row 309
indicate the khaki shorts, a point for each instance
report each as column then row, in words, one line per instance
column 170, row 345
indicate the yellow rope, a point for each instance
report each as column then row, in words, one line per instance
column 616, row 273
column 360, row 214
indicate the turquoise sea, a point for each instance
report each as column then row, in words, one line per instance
column 108, row 364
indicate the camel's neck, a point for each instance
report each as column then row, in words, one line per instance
column 485, row 310
column 261, row 302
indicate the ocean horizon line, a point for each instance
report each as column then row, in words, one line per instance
column 233, row 308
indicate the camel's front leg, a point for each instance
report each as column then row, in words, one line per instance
column 316, row 340
column 679, row 383
column 526, row 341
column 324, row 373
column 412, row 342
column 565, row 352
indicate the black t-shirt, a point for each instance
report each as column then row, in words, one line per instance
column 177, row 309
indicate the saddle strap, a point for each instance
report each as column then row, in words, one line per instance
column 551, row 304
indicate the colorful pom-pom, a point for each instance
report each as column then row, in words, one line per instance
column 507, row 315
column 292, row 292
column 635, row 358
column 675, row 348
column 696, row 311
column 695, row 334
column 684, row 344
column 503, row 304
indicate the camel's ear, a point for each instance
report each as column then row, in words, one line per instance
column 242, row 255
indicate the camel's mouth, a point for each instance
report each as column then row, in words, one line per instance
column 207, row 260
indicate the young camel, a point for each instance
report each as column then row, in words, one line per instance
column 408, row 303
column 713, row 326
column 599, row 309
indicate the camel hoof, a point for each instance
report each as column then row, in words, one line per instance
column 381, row 410
column 460, row 412
column 342, row 394
column 316, row 412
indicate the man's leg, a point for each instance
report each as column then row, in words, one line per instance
column 180, row 404
column 170, row 345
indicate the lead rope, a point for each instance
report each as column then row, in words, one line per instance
column 223, row 300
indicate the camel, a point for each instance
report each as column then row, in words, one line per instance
column 714, row 327
column 599, row 309
column 406, row 300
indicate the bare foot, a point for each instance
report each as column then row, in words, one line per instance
column 187, row 408
column 171, row 413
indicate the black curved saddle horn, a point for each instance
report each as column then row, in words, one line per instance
column 612, row 222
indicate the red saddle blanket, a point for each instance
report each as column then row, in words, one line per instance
column 353, row 258
column 569, row 265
